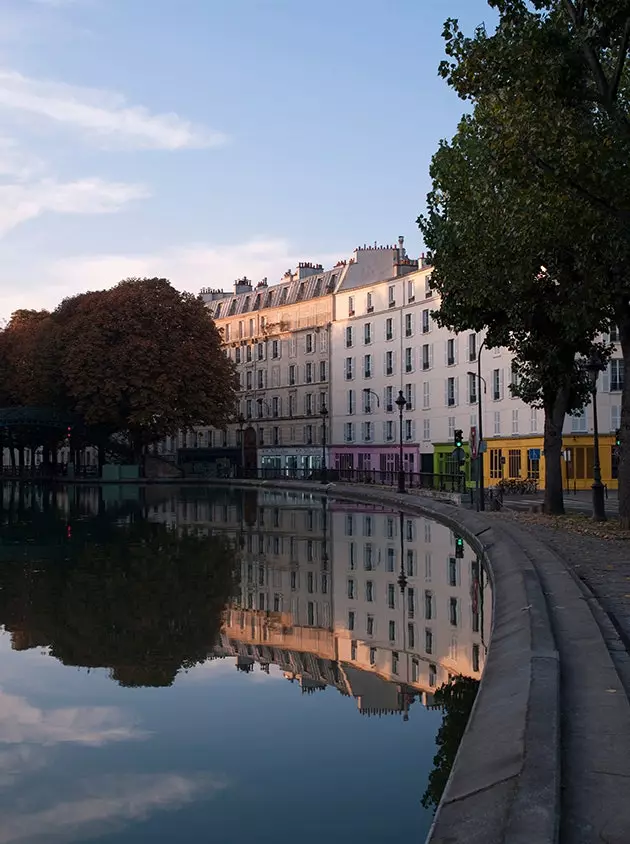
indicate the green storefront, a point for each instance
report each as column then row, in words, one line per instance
column 446, row 466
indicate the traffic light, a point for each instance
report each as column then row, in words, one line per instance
column 459, row 547
column 618, row 437
column 459, row 438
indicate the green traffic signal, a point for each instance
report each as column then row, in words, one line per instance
column 459, row 438
column 459, row 547
column 618, row 437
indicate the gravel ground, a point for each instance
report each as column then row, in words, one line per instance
column 599, row 555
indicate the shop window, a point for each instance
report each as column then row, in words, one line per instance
column 514, row 463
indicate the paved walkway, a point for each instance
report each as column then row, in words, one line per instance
column 578, row 502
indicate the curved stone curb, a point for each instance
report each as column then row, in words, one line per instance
column 504, row 787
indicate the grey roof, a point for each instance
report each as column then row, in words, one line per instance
column 277, row 295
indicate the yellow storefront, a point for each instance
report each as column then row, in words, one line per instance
column 523, row 458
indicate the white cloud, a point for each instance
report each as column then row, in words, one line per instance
column 107, row 801
column 21, row 202
column 188, row 268
column 101, row 114
column 87, row 725
column 17, row 163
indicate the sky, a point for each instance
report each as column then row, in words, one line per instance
column 204, row 140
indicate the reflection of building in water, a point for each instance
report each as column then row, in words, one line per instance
column 320, row 596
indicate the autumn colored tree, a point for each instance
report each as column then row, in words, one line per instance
column 143, row 360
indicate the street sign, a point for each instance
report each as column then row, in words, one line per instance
column 472, row 441
column 533, row 453
column 483, row 446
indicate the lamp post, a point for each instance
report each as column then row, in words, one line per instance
column 481, row 504
column 594, row 365
column 324, row 413
column 241, row 428
column 401, row 404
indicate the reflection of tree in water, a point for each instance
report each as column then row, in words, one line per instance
column 456, row 699
column 130, row 595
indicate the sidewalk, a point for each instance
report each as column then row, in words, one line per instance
column 578, row 502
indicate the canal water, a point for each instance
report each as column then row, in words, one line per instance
column 224, row 665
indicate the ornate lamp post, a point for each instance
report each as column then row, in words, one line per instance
column 401, row 404
column 594, row 365
column 324, row 414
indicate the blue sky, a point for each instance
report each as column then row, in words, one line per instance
column 206, row 139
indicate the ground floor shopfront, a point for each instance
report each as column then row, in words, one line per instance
column 522, row 458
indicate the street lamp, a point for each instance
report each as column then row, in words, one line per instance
column 241, row 428
column 324, row 413
column 401, row 404
column 481, row 504
column 594, row 365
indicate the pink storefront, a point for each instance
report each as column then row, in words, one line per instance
column 368, row 458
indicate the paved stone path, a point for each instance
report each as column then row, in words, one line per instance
column 602, row 564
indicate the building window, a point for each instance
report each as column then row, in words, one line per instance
column 370, row 625
column 350, row 305
column 426, row 430
column 408, row 359
column 428, row 605
column 450, row 352
column 496, row 463
column 391, row 559
column 372, row 656
column 368, row 557
column 391, row 596
column 426, row 356
column 453, row 611
column 451, row 392
column 323, row 375
column 308, row 434
column 389, row 399
column 411, row 290
column 260, row 350
column 452, row 571
column 308, row 404
column 276, row 436
column 472, row 388
column 349, row 372
column 275, row 349
column 389, row 329
column 408, row 429
column 391, row 295
column 497, row 384
column 389, row 363
column 515, row 421
column 350, row 588
column 428, row 640
column 292, row 369
column 497, row 423
column 367, row 366
column 616, row 376
column 533, row 420
column 578, row 422
column 415, row 670
column 475, row 658
column 389, row 431
column 369, row 307
column 349, row 337
column 514, row 463
column 367, row 333
column 369, row 591
column 472, row 347
column 349, row 432
column 308, row 373
column 353, row 650
column 392, row 631
column 426, row 321
column 261, row 436
column 411, row 635
column 367, row 432
column 350, row 402
column 408, row 325
column 367, row 401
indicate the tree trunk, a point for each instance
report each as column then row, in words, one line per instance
column 555, row 414
column 623, row 323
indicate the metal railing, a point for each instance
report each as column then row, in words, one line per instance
column 413, row 480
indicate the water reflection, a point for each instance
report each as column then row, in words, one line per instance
column 384, row 606
column 228, row 587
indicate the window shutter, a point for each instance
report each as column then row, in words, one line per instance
column 501, row 383
column 615, row 417
column 456, row 348
column 323, row 341
column 446, row 353
column 431, row 356
column 605, row 386
column 457, row 390
column 446, row 392
column 384, row 432
column 413, row 396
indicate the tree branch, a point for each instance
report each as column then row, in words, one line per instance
column 621, row 60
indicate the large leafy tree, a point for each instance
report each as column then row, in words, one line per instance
column 516, row 273
column 144, row 360
column 551, row 86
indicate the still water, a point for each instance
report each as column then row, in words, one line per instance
column 199, row 664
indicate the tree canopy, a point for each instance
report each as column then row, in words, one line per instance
column 528, row 217
column 140, row 359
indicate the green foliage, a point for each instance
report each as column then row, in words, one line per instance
column 456, row 698
column 120, row 593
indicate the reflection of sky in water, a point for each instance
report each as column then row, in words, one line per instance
column 221, row 755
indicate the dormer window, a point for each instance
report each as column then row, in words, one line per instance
column 217, row 312
column 246, row 305
column 233, row 307
column 300, row 293
column 283, row 295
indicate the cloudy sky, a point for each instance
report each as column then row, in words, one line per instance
column 202, row 140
